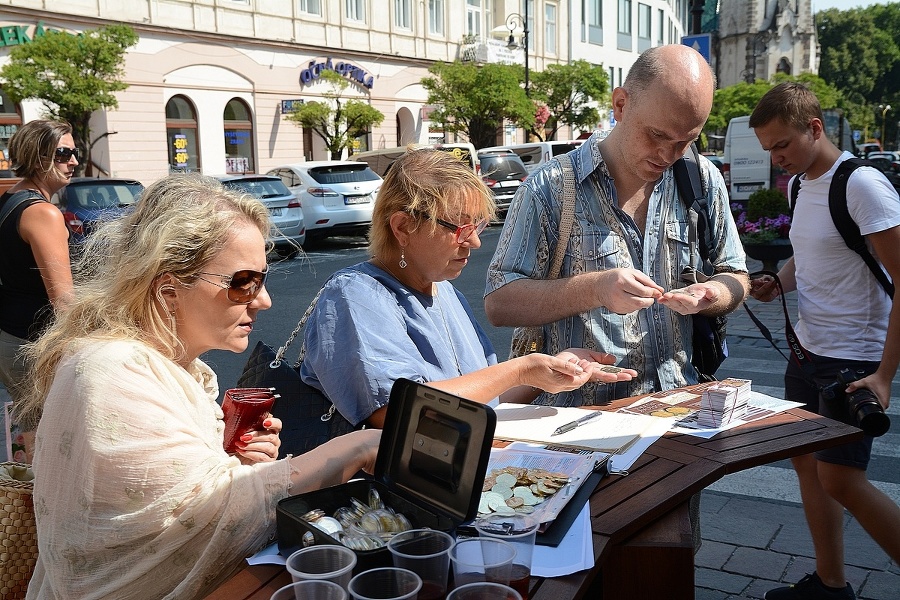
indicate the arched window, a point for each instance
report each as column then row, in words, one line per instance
column 238, row 137
column 10, row 119
column 181, row 133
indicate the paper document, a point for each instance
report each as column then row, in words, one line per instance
column 611, row 432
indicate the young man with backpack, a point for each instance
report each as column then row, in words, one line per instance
column 846, row 320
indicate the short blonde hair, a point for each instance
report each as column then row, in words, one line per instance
column 425, row 183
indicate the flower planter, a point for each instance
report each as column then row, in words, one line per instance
column 770, row 253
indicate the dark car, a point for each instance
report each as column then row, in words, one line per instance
column 289, row 226
column 86, row 200
column 890, row 168
column 503, row 172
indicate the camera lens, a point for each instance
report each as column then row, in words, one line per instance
column 872, row 420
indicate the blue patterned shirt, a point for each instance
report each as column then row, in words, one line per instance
column 655, row 341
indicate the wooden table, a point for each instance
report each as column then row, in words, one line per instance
column 641, row 534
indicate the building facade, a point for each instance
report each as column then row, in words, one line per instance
column 210, row 81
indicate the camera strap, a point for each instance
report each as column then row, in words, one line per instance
column 799, row 354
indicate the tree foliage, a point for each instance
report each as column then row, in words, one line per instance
column 475, row 100
column 571, row 92
column 72, row 75
column 337, row 121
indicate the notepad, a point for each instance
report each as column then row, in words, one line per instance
column 612, row 432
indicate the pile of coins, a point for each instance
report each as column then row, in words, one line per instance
column 359, row 526
column 512, row 490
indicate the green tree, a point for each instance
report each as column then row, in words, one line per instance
column 475, row 100
column 571, row 93
column 337, row 121
column 73, row 75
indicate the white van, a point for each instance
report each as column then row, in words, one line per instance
column 381, row 160
column 746, row 166
column 535, row 154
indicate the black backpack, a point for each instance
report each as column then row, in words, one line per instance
column 843, row 222
column 709, row 346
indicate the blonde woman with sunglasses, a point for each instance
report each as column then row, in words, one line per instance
column 135, row 496
column 35, row 274
column 397, row 314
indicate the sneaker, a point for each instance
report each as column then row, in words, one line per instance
column 810, row 588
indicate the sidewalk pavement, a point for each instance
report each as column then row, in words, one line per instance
column 754, row 542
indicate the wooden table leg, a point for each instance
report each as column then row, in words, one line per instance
column 658, row 562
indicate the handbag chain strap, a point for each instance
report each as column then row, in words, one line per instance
column 279, row 356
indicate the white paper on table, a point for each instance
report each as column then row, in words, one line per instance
column 267, row 556
column 623, row 461
column 574, row 553
column 759, row 406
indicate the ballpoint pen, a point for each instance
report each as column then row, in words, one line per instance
column 570, row 426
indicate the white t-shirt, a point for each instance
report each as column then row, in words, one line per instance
column 843, row 310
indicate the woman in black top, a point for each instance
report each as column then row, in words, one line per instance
column 35, row 274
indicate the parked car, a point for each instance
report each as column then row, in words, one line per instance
column 503, row 172
column 535, row 154
column 337, row 195
column 716, row 160
column 289, row 227
column 891, row 155
column 86, row 200
column 863, row 150
column 890, row 168
column 381, row 160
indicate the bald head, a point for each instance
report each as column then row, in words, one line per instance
column 675, row 71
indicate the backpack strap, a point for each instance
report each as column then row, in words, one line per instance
column 566, row 216
column 846, row 226
column 795, row 191
column 14, row 201
column 692, row 190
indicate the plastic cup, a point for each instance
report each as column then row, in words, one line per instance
column 328, row 562
column 482, row 590
column 311, row 589
column 520, row 531
column 426, row 553
column 386, row 583
column 481, row 559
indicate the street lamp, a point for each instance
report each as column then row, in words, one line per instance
column 884, row 110
column 512, row 22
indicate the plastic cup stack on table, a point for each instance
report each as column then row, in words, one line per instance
column 481, row 559
column 520, row 531
column 386, row 583
column 311, row 589
column 426, row 553
column 326, row 562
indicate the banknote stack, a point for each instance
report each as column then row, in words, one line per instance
column 723, row 402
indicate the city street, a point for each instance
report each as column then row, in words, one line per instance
column 753, row 530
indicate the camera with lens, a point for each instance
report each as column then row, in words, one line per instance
column 860, row 407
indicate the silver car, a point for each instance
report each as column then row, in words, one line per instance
column 284, row 209
column 337, row 195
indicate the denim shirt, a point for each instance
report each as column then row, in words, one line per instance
column 654, row 341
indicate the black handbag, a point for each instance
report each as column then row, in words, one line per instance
column 308, row 418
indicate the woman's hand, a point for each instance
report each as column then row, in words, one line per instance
column 569, row 370
column 260, row 445
column 596, row 361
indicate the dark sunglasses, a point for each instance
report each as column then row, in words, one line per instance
column 243, row 287
column 461, row 232
column 64, row 155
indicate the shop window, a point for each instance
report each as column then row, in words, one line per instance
column 181, row 135
column 238, row 138
column 10, row 120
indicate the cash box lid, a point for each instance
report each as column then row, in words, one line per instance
column 435, row 448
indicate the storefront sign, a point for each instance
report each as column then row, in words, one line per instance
column 288, row 106
column 348, row 70
column 14, row 35
column 180, row 143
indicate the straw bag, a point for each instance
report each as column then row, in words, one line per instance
column 18, row 536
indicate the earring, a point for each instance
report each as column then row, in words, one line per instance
column 403, row 262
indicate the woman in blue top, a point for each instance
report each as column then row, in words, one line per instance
column 398, row 315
